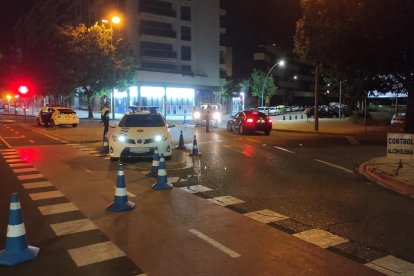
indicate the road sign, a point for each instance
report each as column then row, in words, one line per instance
column 400, row 145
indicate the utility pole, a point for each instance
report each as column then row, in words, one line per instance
column 316, row 106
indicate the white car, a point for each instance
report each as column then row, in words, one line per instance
column 57, row 116
column 398, row 120
column 137, row 135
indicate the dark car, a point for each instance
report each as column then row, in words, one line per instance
column 325, row 112
column 249, row 121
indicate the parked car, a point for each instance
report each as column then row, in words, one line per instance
column 137, row 135
column 270, row 111
column 398, row 119
column 57, row 116
column 324, row 112
column 249, row 121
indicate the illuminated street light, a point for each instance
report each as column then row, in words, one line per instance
column 280, row 63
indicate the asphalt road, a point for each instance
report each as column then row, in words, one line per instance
column 308, row 182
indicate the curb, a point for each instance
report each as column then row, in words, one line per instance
column 386, row 180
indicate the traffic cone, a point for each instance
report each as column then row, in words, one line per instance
column 162, row 183
column 181, row 142
column 195, row 151
column 105, row 148
column 155, row 163
column 121, row 202
column 16, row 251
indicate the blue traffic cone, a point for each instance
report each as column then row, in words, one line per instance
column 195, row 151
column 16, row 251
column 181, row 142
column 162, row 183
column 121, row 202
column 105, row 148
column 155, row 164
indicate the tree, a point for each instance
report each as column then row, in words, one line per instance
column 262, row 85
column 361, row 41
column 95, row 61
column 230, row 88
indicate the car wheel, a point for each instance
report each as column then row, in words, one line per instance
column 52, row 123
column 267, row 132
column 75, row 125
column 229, row 128
column 242, row 130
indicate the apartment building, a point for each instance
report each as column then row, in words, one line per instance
column 179, row 46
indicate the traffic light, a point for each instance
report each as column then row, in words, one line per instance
column 23, row 90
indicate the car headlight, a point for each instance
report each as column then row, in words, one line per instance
column 197, row 115
column 217, row 115
column 159, row 138
column 119, row 138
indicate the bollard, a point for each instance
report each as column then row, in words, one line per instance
column 290, row 117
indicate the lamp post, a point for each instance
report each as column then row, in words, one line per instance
column 114, row 20
column 294, row 77
column 280, row 63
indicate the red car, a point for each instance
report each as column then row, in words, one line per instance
column 249, row 121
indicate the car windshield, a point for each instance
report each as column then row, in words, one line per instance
column 142, row 120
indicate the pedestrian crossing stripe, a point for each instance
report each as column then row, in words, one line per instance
column 57, row 208
column 74, row 226
column 11, row 156
column 225, row 200
column 7, row 153
column 195, row 189
column 265, row 216
column 15, row 165
column 24, row 170
column 101, row 252
column 45, row 195
column 391, row 265
column 14, row 160
column 7, row 150
column 30, row 176
column 34, row 185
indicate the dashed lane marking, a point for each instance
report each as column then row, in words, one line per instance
column 34, row 185
column 30, row 176
column 46, row 195
column 57, row 208
column 352, row 140
column 74, row 226
column 24, row 170
column 214, row 243
column 279, row 148
column 335, row 166
column 95, row 253
column 266, row 216
column 226, row 200
column 320, row 238
column 391, row 265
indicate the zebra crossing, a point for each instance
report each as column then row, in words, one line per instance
column 35, row 184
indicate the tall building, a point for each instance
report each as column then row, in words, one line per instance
column 179, row 46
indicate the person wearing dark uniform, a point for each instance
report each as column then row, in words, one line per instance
column 105, row 118
column 207, row 115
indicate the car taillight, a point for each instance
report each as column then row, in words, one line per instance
column 249, row 120
column 268, row 120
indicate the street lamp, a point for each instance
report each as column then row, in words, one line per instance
column 280, row 63
column 294, row 78
column 114, row 20
column 8, row 97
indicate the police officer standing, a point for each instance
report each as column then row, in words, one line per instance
column 207, row 115
column 105, row 118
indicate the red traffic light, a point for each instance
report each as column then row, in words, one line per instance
column 23, row 89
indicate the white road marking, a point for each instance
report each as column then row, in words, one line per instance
column 30, row 176
column 57, row 208
column 283, row 149
column 335, row 166
column 195, row 189
column 71, row 227
column 7, row 150
column 15, row 165
column 6, row 153
column 47, row 135
column 11, row 156
column 352, row 140
column 226, row 200
column 266, row 216
column 5, row 142
column 24, row 170
column 215, row 243
column 320, row 238
column 34, row 185
column 391, row 265
column 14, row 160
column 45, row 195
column 31, row 141
column 253, row 140
column 95, row 253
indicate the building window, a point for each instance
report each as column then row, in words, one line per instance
column 185, row 13
column 185, row 33
column 185, row 52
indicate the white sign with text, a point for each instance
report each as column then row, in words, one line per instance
column 400, row 145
